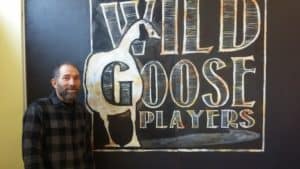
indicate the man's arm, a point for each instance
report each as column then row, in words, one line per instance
column 32, row 138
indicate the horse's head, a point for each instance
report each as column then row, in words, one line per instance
column 148, row 31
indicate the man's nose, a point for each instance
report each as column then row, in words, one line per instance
column 72, row 81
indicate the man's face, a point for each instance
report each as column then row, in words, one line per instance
column 67, row 84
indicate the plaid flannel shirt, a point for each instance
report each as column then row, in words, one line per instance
column 56, row 135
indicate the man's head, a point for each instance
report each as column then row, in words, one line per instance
column 66, row 82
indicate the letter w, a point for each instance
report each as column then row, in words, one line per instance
column 130, row 15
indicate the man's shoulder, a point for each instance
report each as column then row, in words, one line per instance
column 36, row 108
column 41, row 102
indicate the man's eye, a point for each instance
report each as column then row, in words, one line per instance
column 66, row 78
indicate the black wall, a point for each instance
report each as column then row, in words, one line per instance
column 58, row 30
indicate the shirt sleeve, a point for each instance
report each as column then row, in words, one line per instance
column 32, row 138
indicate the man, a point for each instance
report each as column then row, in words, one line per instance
column 57, row 129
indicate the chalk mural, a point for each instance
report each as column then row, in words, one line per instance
column 177, row 75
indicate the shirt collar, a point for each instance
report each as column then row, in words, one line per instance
column 56, row 101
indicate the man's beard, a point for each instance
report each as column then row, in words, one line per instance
column 67, row 95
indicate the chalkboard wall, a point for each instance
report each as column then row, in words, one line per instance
column 59, row 30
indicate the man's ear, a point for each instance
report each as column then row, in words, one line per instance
column 53, row 83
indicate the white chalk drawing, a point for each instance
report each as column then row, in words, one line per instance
column 130, row 15
column 181, row 84
column 112, row 80
column 169, row 34
column 239, row 81
column 191, row 39
column 191, row 83
column 251, row 24
column 216, row 81
column 153, row 71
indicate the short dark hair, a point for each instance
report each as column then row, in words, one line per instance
column 55, row 73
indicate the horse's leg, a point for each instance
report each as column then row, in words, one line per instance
column 134, row 142
column 106, row 125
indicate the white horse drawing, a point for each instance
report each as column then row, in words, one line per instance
column 125, row 69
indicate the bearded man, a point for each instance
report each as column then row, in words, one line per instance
column 57, row 129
